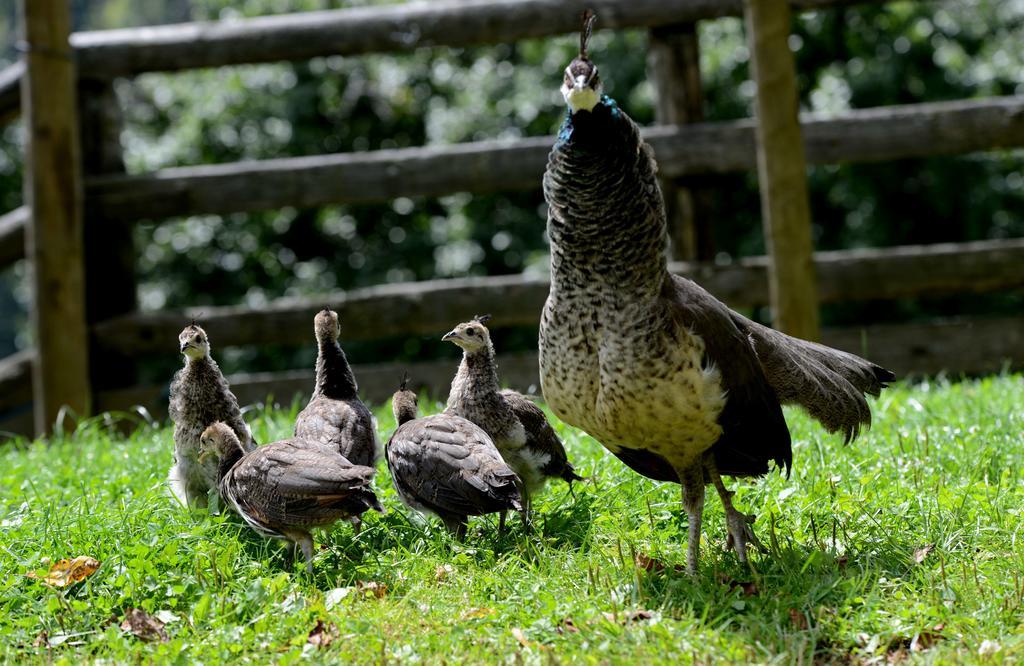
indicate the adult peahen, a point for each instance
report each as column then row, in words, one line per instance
column 665, row 376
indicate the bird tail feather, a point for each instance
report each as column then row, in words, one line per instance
column 830, row 384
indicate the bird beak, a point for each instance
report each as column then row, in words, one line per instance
column 184, row 346
column 449, row 336
column 203, row 455
column 581, row 83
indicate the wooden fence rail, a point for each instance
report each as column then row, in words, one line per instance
column 864, row 135
column 12, row 235
column 107, row 54
column 867, row 135
column 430, row 308
column 974, row 346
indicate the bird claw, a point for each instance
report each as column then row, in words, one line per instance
column 740, row 533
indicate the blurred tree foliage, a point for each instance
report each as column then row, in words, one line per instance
column 904, row 52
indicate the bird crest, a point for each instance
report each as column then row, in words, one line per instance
column 587, row 29
column 405, row 381
column 482, row 319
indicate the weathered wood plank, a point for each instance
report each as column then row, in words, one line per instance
column 110, row 286
column 782, row 171
column 12, row 235
column 395, row 28
column 16, row 380
column 673, row 67
column 430, row 308
column 377, row 381
column 867, row 135
column 969, row 346
column 959, row 346
column 10, row 92
column 53, row 191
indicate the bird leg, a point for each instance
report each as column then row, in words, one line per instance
column 501, row 523
column 526, row 514
column 304, row 540
column 357, row 525
column 692, row 480
column 737, row 524
column 456, row 525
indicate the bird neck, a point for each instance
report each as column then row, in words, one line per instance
column 477, row 375
column 334, row 378
column 229, row 460
column 606, row 218
column 405, row 412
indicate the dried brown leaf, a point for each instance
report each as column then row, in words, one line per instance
column 442, row 572
column 625, row 617
column 477, row 613
column 322, row 634
column 42, row 640
column 144, row 626
column 68, row 572
column 842, row 561
column 372, row 588
column 649, row 564
column 798, row 619
column 926, row 639
column 749, row 587
column 922, row 552
column 567, row 626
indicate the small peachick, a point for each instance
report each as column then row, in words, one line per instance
column 199, row 396
column 284, row 489
column 517, row 426
column 447, row 466
column 335, row 415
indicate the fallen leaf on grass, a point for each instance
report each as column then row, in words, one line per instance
column 567, row 626
column 649, row 564
column 798, row 619
column 42, row 640
column 922, row 552
column 842, row 561
column 476, row 613
column 749, row 587
column 323, row 634
column 144, row 626
column 518, row 634
column 924, row 640
column 372, row 588
column 626, row 617
column 652, row 565
column 442, row 572
column 68, row 572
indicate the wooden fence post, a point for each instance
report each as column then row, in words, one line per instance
column 673, row 65
column 53, row 191
column 110, row 281
column 782, row 171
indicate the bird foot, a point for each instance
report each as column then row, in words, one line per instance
column 740, row 533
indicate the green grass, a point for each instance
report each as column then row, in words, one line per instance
column 943, row 466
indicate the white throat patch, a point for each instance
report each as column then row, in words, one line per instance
column 578, row 99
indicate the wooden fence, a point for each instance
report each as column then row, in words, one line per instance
column 113, row 201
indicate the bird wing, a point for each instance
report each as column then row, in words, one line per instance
column 345, row 425
column 540, row 436
column 754, row 430
column 828, row 383
column 450, row 466
column 294, row 482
